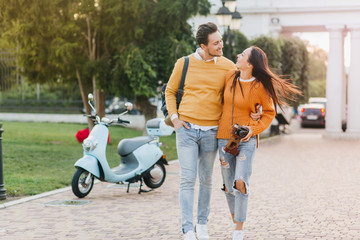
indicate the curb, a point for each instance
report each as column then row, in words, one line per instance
column 269, row 139
column 31, row 198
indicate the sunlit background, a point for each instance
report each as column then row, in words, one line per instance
column 321, row 39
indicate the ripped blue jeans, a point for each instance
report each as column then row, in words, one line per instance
column 237, row 168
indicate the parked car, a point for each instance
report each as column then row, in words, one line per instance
column 312, row 115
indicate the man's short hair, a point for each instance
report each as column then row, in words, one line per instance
column 203, row 32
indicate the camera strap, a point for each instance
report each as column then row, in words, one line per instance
column 233, row 100
column 232, row 109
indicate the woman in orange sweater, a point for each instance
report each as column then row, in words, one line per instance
column 252, row 85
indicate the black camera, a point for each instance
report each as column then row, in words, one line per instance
column 239, row 131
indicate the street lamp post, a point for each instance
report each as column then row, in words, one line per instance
column 2, row 189
column 230, row 20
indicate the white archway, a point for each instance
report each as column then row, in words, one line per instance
column 285, row 17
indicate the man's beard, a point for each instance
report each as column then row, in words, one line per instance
column 213, row 55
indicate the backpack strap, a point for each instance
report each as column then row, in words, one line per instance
column 182, row 82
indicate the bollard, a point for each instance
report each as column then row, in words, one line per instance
column 2, row 189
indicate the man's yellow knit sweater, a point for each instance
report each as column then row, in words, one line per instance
column 254, row 92
column 203, row 90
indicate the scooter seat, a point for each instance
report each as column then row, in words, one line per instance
column 128, row 145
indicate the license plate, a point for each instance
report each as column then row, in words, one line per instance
column 312, row 117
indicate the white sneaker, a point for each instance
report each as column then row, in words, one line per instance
column 190, row 235
column 202, row 232
column 238, row 235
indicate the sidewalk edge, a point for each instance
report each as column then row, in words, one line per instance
column 31, row 198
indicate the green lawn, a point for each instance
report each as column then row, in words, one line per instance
column 39, row 157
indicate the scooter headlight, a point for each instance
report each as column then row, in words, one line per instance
column 89, row 144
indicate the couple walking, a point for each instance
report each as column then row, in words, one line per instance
column 218, row 94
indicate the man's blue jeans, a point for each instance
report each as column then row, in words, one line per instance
column 196, row 151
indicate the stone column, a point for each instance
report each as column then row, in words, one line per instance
column 344, row 86
column 353, row 115
column 334, row 81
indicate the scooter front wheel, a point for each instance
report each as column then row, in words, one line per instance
column 82, row 183
column 156, row 176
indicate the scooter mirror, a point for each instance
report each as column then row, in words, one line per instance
column 90, row 97
column 129, row 106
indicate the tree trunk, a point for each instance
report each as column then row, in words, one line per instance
column 148, row 110
column 95, row 93
column 83, row 91
column 100, row 103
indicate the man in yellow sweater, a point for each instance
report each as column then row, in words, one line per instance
column 196, row 123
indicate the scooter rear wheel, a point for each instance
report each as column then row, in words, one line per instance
column 156, row 176
column 82, row 183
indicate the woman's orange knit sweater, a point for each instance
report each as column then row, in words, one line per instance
column 254, row 92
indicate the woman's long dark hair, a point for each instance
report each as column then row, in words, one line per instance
column 279, row 89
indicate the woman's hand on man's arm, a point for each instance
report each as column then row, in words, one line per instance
column 257, row 115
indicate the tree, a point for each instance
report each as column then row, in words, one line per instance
column 48, row 41
column 237, row 42
column 122, row 47
column 317, row 72
column 163, row 35
column 295, row 61
column 287, row 57
column 272, row 48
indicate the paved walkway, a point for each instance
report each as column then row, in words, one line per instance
column 136, row 121
column 303, row 187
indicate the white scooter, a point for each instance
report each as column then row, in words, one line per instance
column 141, row 158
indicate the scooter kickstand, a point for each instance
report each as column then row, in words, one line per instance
column 127, row 191
column 141, row 190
